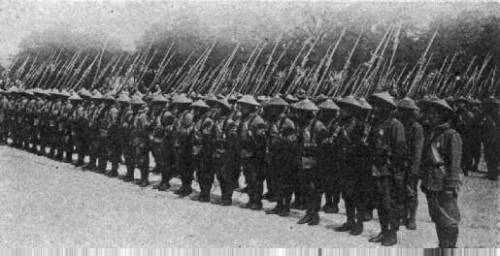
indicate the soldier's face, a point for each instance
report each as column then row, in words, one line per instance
column 433, row 116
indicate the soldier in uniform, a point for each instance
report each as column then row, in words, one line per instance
column 139, row 140
column 126, row 121
column 441, row 172
column 54, row 125
column 4, row 105
column 224, row 130
column 463, row 125
column 282, row 147
column 350, row 144
column 182, row 143
column 29, row 119
column 312, row 132
column 79, row 127
column 409, row 113
column 491, row 137
column 330, row 156
column 252, row 149
column 202, row 148
column 387, row 142
column 92, row 131
column 68, row 142
column 162, row 146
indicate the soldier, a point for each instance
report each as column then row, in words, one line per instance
column 202, row 148
column 491, row 137
column 126, row 121
column 28, row 120
column 162, row 146
column 106, row 122
column 441, row 172
column 252, row 148
column 92, row 131
column 350, row 144
column 69, row 109
column 330, row 158
column 45, row 123
column 79, row 124
column 282, row 147
column 182, row 142
column 387, row 142
column 464, row 120
column 55, row 128
column 223, row 131
column 4, row 105
column 139, row 139
column 409, row 113
column 37, row 120
column 312, row 132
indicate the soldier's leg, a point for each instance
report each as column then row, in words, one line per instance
column 411, row 203
column 186, row 172
column 348, row 191
column 316, row 192
column 254, row 190
column 205, row 179
column 279, row 194
column 298, row 191
column 129, row 163
column 226, row 189
column 143, row 163
column 103, row 148
column 271, row 182
column 382, row 203
column 93, row 144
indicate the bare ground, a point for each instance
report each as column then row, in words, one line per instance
column 52, row 204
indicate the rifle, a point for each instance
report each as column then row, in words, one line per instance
column 347, row 64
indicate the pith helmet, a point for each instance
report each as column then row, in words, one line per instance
column 248, row 99
column 306, row 105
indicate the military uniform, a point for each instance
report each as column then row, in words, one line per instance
column 252, row 146
column 162, row 147
column 139, row 145
column 282, row 147
column 182, row 145
column 441, row 181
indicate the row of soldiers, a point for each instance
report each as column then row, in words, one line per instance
column 371, row 153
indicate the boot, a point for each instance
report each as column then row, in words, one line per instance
column 164, row 186
column 390, row 239
column 411, row 223
column 329, row 207
column 276, row 210
column 112, row 173
column 129, row 177
column 305, row 219
column 314, row 219
column 348, row 226
column 226, row 201
column 367, row 216
column 144, row 182
column 379, row 238
column 298, row 204
column 184, row 191
column 452, row 237
column 357, row 229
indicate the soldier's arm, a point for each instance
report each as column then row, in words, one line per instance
column 416, row 156
column 399, row 144
column 452, row 181
column 289, row 132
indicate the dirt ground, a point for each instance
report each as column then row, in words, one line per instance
column 45, row 203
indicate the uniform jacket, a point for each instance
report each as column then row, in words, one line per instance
column 442, row 159
column 388, row 146
column 310, row 138
column 414, row 146
column 251, row 133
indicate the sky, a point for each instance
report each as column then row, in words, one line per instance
column 126, row 20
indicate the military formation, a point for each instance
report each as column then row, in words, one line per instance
column 371, row 152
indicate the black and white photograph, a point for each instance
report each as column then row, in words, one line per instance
column 249, row 124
